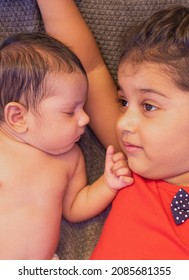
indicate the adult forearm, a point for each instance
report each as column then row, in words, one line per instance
column 63, row 21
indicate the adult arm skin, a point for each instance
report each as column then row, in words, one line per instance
column 63, row 21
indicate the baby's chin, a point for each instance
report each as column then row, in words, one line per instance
column 60, row 151
column 63, row 150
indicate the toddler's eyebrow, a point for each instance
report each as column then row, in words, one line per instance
column 151, row 90
column 145, row 90
column 118, row 87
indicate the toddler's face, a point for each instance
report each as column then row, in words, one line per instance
column 62, row 119
column 153, row 127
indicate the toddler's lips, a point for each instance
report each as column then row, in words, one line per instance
column 131, row 148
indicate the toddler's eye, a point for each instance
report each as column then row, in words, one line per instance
column 149, row 107
column 123, row 102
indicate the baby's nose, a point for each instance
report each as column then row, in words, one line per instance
column 84, row 119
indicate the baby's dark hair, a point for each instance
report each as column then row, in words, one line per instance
column 163, row 38
column 26, row 60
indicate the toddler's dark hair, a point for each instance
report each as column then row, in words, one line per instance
column 163, row 38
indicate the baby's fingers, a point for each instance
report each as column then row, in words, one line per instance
column 127, row 180
column 119, row 164
column 118, row 156
column 124, row 171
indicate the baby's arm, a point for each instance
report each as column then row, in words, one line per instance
column 83, row 203
column 63, row 21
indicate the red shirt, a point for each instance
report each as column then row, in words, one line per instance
column 140, row 225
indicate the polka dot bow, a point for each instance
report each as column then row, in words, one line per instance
column 180, row 207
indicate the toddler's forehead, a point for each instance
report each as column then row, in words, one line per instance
column 129, row 68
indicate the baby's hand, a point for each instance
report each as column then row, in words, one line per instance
column 117, row 173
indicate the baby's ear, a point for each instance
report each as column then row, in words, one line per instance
column 14, row 114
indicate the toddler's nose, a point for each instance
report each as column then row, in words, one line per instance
column 127, row 121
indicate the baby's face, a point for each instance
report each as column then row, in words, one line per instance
column 153, row 127
column 61, row 120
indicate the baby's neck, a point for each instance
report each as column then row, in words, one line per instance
column 5, row 132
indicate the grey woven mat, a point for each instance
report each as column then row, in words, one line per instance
column 109, row 21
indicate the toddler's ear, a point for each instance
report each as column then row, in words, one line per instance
column 14, row 114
